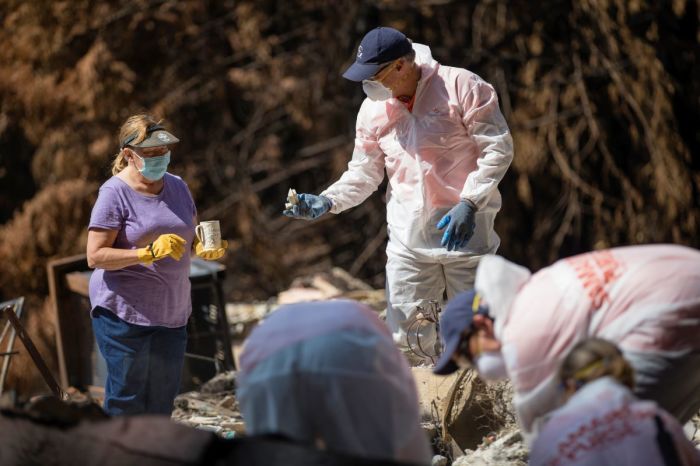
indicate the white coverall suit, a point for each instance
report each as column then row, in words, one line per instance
column 454, row 145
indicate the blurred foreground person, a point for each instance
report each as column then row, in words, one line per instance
column 54, row 432
column 328, row 374
column 645, row 299
column 602, row 422
column 140, row 235
column 440, row 136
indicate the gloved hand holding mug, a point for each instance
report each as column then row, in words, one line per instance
column 166, row 245
column 209, row 254
column 460, row 225
column 309, row 207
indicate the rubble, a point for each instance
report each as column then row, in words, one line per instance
column 460, row 412
column 692, row 430
column 433, row 391
column 469, row 421
column 335, row 284
column 212, row 408
column 457, row 411
column 508, row 449
column 221, row 383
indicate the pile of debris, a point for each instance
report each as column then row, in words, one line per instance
column 212, row 408
column 460, row 414
column 467, row 420
column 504, row 449
column 463, row 416
column 334, row 284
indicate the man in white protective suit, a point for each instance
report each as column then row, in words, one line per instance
column 440, row 136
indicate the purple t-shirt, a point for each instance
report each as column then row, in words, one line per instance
column 156, row 294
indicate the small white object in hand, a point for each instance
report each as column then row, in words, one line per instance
column 292, row 199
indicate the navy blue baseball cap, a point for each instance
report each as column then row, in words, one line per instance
column 454, row 320
column 379, row 47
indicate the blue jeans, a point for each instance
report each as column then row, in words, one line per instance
column 144, row 364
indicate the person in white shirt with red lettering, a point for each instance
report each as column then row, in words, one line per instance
column 602, row 423
column 645, row 299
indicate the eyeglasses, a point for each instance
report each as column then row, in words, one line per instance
column 383, row 72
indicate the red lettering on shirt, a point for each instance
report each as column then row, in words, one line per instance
column 598, row 432
column 596, row 271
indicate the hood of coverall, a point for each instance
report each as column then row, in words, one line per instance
column 498, row 281
column 428, row 67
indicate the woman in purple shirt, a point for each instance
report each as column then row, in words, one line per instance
column 140, row 236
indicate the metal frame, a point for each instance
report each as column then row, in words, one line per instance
column 204, row 328
column 9, row 310
column 72, row 325
column 430, row 313
column 16, row 305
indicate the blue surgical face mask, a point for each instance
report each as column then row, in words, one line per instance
column 154, row 168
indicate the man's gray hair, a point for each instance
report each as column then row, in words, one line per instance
column 410, row 56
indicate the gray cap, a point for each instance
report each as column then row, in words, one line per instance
column 156, row 135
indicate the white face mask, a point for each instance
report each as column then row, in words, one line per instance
column 491, row 366
column 376, row 91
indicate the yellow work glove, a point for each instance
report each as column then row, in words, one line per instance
column 165, row 245
column 209, row 254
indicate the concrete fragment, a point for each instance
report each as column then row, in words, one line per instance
column 507, row 450
column 216, row 412
column 469, row 411
column 228, row 402
column 234, row 426
column 210, row 428
column 432, row 391
column 223, row 382
column 692, row 430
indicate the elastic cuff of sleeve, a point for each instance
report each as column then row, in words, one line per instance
column 333, row 205
column 471, row 203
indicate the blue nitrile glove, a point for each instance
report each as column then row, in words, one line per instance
column 309, row 207
column 460, row 226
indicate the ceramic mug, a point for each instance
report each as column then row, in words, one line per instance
column 209, row 234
